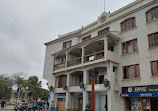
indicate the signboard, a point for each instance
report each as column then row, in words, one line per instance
column 91, row 58
column 61, row 95
column 140, row 89
column 152, row 94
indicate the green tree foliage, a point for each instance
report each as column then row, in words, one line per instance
column 5, row 87
column 33, row 85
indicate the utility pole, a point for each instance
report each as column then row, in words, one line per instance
column 93, row 92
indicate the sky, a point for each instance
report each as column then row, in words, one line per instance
column 25, row 25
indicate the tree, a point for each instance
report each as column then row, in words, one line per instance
column 34, row 86
column 5, row 87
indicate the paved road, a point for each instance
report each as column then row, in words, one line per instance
column 6, row 110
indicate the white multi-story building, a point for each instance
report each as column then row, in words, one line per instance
column 122, row 48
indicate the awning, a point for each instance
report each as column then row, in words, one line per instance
column 150, row 94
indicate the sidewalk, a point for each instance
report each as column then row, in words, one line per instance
column 9, row 107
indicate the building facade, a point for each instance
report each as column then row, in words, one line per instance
column 121, row 47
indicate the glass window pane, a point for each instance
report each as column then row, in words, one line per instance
column 156, row 39
column 151, row 41
column 123, row 26
column 137, row 71
column 134, row 22
column 131, row 72
column 136, row 45
column 130, row 46
column 125, row 73
column 148, row 16
column 155, row 13
column 128, row 24
column 154, row 68
column 123, row 49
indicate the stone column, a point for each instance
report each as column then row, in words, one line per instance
column 85, row 95
column 68, row 100
column 105, row 46
column 66, row 59
column 83, row 53
column 110, row 91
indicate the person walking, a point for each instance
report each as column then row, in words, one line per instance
column 29, row 106
column 52, row 106
column 2, row 104
column 47, row 106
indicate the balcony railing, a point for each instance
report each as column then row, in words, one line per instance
column 74, row 61
column 58, row 66
column 94, row 56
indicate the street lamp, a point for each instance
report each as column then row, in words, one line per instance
column 82, row 86
column 51, row 88
column 106, row 83
column 64, row 87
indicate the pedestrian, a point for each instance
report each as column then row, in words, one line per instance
column 34, row 106
column 52, row 106
column 47, row 107
column 2, row 104
column 40, row 106
column 29, row 106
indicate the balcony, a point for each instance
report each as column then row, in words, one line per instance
column 94, row 56
column 99, row 47
column 59, row 66
column 73, row 62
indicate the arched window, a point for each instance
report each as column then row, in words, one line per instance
column 128, row 24
column 152, row 14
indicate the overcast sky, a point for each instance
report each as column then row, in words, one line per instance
column 25, row 25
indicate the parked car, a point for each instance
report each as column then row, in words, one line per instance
column 21, row 106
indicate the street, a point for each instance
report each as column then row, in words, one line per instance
column 5, row 110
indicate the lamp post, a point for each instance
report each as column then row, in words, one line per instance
column 93, row 92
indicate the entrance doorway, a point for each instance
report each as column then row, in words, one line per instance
column 145, row 104
column 103, row 102
column 61, row 104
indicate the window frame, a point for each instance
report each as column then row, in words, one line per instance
column 126, row 67
column 64, row 44
column 154, row 41
column 150, row 12
column 126, row 47
column 84, row 39
column 152, row 67
column 132, row 24
column 101, row 31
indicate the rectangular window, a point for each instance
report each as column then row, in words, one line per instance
column 130, row 72
column 61, row 81
column 129, row 46
column 104, row 31
column 128, row 24
column 153, row 39
column 67, row 44
column 152, row 14
column 154, row 68
column 86, row 38
column 148, row 16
